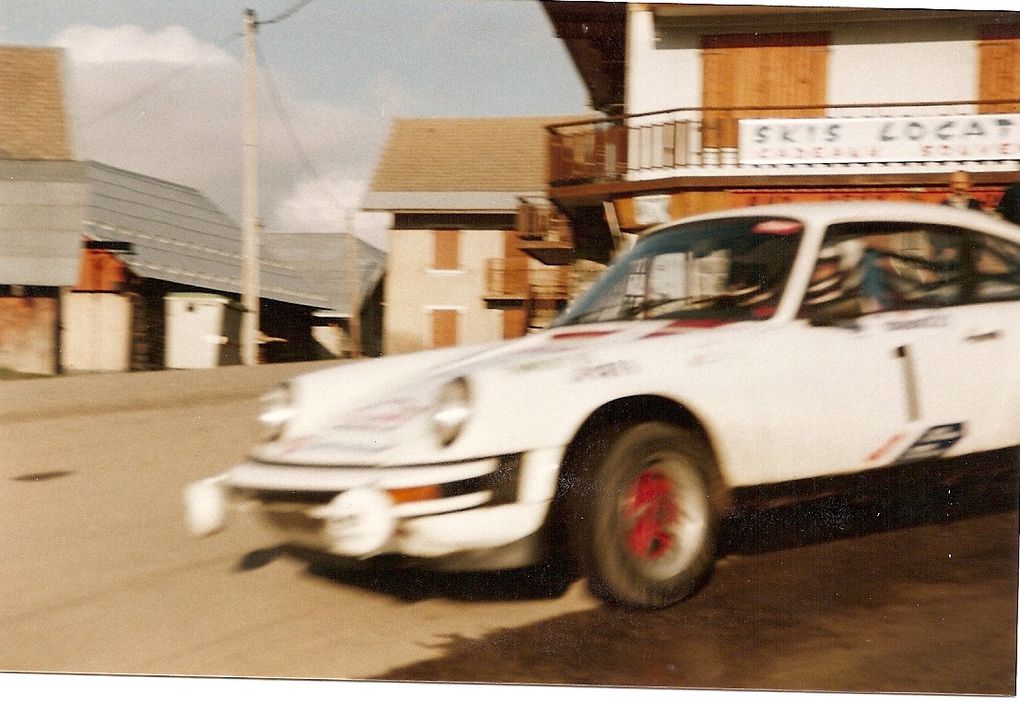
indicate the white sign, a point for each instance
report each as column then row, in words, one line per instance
column 651, row 209
column 880, row 139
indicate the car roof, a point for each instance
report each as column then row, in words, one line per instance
column 857, row 210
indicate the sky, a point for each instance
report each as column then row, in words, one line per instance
column 156, row 87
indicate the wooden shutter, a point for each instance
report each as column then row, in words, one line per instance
column 446, row 254
column 760, row 70
column 515, row 323
column 999, row 67
column 444, row 328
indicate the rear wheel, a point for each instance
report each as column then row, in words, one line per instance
column 647, row 523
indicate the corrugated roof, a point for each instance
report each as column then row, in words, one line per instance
column 180, row 236
column 465, row 154
column 41, row 209
column 323, row 257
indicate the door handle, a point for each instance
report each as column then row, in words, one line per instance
column 987, row 336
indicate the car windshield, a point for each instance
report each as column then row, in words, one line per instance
column 722, row 270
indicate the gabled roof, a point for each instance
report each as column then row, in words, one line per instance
column 461, row 163
column 179, row 235
column 33, row 124
column 323, row 257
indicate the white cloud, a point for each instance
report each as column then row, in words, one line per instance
column 168, row 105
column 323, row 205
column 128, row 43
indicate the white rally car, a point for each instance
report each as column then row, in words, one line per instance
column 763, row 347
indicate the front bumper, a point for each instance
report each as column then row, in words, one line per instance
column 485, row 513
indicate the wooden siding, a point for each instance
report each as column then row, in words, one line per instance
column 999, row 67
column 740, row 70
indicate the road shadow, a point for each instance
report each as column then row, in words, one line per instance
column 897, row 499
column 412, row 584
column 893, row 499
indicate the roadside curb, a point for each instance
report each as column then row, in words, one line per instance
column 59, row 396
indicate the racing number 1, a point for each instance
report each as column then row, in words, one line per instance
column 909, row 381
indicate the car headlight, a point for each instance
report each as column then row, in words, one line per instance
column 277, row 410
column 452, row 410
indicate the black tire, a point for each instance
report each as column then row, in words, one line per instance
column 644, row 523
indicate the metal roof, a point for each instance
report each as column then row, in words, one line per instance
column 41, row 209
column 323, row 259
column 179, row 235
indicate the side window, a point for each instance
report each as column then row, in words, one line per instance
column 996, row 269
column 873, row 267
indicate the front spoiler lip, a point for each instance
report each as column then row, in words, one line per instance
column 296, row 477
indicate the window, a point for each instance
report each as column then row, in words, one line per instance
column 446, row 250
column 713, row 272
column 996, row 269
column 876, row 267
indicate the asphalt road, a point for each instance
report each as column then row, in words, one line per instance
column 100, row 576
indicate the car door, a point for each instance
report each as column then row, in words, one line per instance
column 969, row 371
column 836, row 398
column 860, row 375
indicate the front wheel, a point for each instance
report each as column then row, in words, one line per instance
column 648, row 527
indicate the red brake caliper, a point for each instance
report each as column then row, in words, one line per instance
column 650, row 512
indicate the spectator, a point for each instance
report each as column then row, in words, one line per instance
column 1009, row 205
column 959, row 192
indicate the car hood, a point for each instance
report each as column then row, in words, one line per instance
column 377, row 412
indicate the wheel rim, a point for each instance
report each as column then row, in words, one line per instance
column 662, row 517
column 650, row 515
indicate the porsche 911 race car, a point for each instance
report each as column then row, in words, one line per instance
column 757, row 347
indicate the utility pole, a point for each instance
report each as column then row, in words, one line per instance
column 353, row 287
column 250, row 203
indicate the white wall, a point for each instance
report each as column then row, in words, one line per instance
column 96, row 332
column 413, row 289
column 661, row 74
column 900, row 62
column 871, row 61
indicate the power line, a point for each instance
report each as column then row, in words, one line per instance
column 288, row 126
column 152, row 87
column 284, row 117
column 286, row 13
column 156, row 85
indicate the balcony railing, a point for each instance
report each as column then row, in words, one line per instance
column 517, row 279
column 538, row 219
column 688, row 140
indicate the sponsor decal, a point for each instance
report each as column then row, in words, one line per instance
column 926, row 322
column 612, row 369
column 887, row 447
column 349, row 447
column 681, row 326
column 934, row 442
column 587, row 334
column 384, row 416
column 546, row 363
column 782, row 228
column 310, row 444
